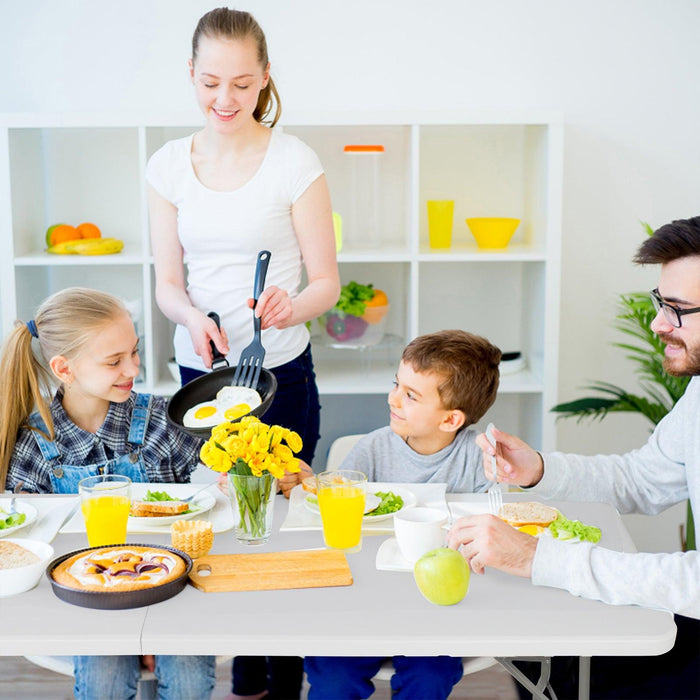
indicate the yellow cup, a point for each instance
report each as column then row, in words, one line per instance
column 341, row 500
column 440, row 215
column 105, row 502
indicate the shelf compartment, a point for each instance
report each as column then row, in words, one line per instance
column 73, row 175
column 328, row 143
column 488, row 170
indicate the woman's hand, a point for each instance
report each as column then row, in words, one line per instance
column 203, row 331
column 274, row 308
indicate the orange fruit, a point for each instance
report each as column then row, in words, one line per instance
column 377, row 307
column 379, row 299
column 88, row 230
column 49, row 231
column 62, row 233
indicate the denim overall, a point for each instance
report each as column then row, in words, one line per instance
column 65, row 477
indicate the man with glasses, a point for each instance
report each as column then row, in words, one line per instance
column 665, row 471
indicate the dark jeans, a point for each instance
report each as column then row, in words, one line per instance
column 295, row 406
column 674, row 675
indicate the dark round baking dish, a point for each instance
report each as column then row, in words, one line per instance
column 119, row 600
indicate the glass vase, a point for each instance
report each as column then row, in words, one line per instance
column 252, row 501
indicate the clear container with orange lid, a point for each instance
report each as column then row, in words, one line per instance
column 363, row 220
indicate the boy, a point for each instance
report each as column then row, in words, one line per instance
column 446, row 381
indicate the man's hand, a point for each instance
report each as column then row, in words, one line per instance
column 486, row 540
column 516, row 462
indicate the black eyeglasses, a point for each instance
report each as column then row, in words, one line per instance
column 671, row 313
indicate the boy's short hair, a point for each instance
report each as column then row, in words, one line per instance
column 468, row 364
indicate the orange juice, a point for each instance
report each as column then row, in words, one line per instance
column 342, row 508
column 105, row 519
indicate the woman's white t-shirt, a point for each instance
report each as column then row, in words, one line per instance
column 222, row 232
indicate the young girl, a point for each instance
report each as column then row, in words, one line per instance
column 218, row 197
column 95, row 424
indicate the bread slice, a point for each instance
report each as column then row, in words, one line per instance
column 14, row 556
column 155, row 509
column 528, row 513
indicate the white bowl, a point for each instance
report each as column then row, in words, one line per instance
column 23, row 578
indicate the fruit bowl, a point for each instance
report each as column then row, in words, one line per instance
column 492, row 231
column 340, row 328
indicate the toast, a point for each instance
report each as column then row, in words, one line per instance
column 528, row 513
column 155, row 509
column 14, row 556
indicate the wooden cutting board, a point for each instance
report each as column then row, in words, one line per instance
column 270, row 571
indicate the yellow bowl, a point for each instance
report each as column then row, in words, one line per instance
column 492, row 231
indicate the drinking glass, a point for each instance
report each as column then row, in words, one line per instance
column 105, row 501
column 341, row 500
column 440, row 216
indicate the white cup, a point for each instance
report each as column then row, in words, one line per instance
column 419, row 530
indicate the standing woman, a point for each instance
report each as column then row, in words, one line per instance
column 218, row 197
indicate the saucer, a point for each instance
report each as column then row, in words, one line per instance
column 389, row 557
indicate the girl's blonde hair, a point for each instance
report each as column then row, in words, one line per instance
column 63, row 324
column 223, row 23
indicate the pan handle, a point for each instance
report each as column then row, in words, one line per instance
column 217, row 357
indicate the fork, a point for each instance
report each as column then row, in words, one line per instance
column 197, row 492
column 495, row 493
column 15, row 491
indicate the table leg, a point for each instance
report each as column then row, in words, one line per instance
column 584, row 677
column 543, row 682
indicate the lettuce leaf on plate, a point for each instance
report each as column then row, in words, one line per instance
column 7, row 521
column 565, row 529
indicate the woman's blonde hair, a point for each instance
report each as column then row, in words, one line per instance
column 223, row 23
column 63, row 324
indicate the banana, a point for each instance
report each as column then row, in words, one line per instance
column 88, row 246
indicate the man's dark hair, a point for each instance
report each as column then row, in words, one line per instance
column 679, row 239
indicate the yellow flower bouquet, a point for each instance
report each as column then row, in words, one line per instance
column 254, row 455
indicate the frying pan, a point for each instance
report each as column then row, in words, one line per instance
column 205, row 388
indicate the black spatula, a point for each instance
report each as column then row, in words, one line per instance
column 252, row 356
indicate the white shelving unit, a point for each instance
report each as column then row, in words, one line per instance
column 76, row 168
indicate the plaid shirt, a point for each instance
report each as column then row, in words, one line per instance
column 170, row 455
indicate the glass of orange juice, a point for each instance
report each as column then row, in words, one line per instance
column 341, row 500
column 105, row 501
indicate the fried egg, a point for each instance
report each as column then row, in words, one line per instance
column 231, row 403
column 237, row 401
column 203, row 415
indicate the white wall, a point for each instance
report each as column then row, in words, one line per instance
column 623, row 73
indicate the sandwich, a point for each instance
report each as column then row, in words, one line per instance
column 155, row 509
column 529, row 517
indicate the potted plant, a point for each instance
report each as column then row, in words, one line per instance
column 659, row 390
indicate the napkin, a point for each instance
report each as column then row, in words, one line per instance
column 299, row 517
column 51, row 517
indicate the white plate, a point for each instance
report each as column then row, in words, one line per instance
column 23, row 507
column 409, row 500
column 201, row 504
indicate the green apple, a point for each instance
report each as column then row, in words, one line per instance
column 442, row 576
